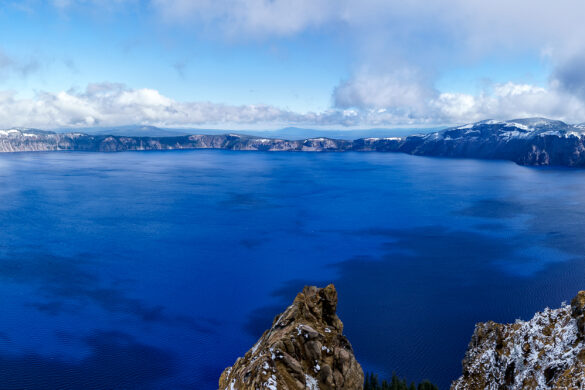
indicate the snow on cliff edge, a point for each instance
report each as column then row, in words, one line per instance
column 547, row 352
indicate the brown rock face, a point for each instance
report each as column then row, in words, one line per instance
column 547, row 352
column 303, row 350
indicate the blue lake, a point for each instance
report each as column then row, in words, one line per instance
column 157, row 270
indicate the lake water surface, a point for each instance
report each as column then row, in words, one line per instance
column 158, row 269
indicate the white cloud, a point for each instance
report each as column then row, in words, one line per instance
column 249, row 17
column 108, row 104
column 399, row 87
column 507, row 101
column 569, row 76
column 398, row 99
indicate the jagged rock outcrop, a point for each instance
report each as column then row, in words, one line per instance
column 547, row 352
column 304, row 349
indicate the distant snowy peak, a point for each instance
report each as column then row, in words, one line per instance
column 538, row 122
column 22, row 132
column 480, row 123
column 532, row 141
column 516, row 128
column 14, row 132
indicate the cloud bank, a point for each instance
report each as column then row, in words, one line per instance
column 108, row 104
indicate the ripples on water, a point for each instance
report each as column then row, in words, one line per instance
column 157, row 270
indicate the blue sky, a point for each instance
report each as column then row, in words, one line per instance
column 267, row 64
column 77, row 47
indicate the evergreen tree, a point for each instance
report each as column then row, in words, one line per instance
column 394, row 383
column 426, row 385
column 371, row 382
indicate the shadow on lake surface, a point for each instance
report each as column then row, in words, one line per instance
column 115, row 361
column 412, row 310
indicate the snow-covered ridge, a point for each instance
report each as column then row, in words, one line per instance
column 513, row 129
column 372, row 139
column 11, row 132
column 22, row 132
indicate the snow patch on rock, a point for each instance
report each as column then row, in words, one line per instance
column 547, row 351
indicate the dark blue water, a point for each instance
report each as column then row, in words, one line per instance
column 157, row 270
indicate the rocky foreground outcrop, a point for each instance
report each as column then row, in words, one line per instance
column 304, row 349
column 547, row 352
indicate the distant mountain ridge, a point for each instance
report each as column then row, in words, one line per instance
column 291, row 133
column 131, row 131
column 530, row 141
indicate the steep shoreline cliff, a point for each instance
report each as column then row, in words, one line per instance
column 16, row 140
column 535, row 141
column 305, row 349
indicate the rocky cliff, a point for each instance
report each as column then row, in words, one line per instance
column 534, row 141
column 31, row 140
column 304, row 349
column 547, row 352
